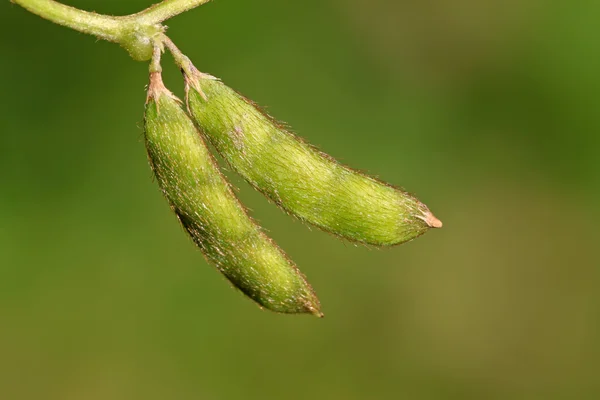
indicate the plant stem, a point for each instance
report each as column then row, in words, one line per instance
column 134, row 32
column 164, row 10
column 102, row 26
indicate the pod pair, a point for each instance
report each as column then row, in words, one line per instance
column 303, row 181
column 211, row 214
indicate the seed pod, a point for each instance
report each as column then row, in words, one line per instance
column 211, row 214
column 300, row 179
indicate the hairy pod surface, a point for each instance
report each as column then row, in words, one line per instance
column 211, row 214
column 300, row 179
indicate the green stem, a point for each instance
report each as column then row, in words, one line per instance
column 104, row 26
column 181, row 59
column 156, row 55
column 164, row 10
column 133, row 32
column 101, row 26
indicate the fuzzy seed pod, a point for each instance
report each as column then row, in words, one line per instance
column 211, row 214
column 300, row 179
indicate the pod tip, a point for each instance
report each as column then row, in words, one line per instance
column 432, row 221
column 316, row 311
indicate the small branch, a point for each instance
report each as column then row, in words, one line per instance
column 190, row 73
column 181, row 59
column 156, row 55
column 164, row 10
column 102, row 26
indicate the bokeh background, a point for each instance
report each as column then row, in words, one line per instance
column 489, row 111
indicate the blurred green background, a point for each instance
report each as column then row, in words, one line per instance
column 488, row 111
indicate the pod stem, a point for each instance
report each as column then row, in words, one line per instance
column 156, row 87
column 156, row 55
column 190, row 72
column 182, row 61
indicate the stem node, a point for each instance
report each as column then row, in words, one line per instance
column 138, row 40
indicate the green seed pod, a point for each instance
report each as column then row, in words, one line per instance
column 300, row 179
column 211, row 214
